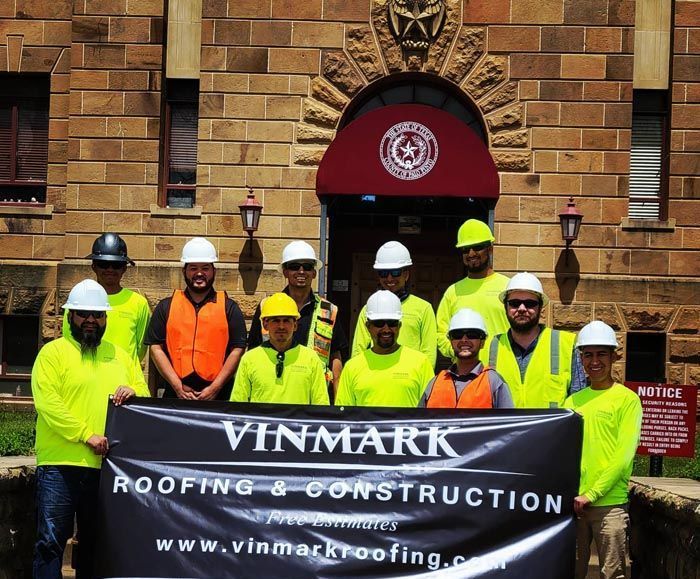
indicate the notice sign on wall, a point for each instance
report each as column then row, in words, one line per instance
column 197, row 489
column 668, row 420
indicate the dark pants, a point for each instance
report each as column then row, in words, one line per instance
column 64, row 494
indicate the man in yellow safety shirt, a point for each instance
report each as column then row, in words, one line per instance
column 318, row 327
column 612, row 421
column 280, row 370
column 198, row 335
column 538, row 364
column 130, row 314
column 479, row 290
column 72, row 380
column 467, row 383
column 387, row 374
column 418, row 331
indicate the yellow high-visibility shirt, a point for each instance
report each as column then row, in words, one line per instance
column 612, row 422
column 127, row 322
column 392, row 380
column 418, row 329
column 480, row 295
column 303, row 379
column 71, row 393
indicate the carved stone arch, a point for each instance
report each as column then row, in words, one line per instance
column 458, row 55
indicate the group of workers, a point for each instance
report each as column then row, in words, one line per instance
column 488, row 326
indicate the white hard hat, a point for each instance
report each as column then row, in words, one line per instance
column 199, row 250
column 392, row 255
column 526, row 282
column 384, row 305
column 596, row 333
column 88, row 295
column 298, row 250
column 466, row 319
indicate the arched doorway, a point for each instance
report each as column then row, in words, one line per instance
column 409, row 163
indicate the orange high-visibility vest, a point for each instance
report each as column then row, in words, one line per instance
column 197, row 340
column 477, row 394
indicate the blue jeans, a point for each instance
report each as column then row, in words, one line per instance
column 64, row 494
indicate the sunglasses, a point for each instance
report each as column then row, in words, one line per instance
column 382, row 323
column 295, row 266
column 476, row 248
column 470, row 334
column 529, row 304
column 87, row 313
column 389, row 272
column 109, row 264
column 279, row 367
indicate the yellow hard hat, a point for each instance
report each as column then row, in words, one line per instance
column 474, row 232
column 279, row 305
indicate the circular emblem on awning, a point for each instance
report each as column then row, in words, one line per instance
column 408, row 150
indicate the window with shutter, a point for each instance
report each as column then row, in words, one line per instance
column 179, row 158
column 648, row 156
column 24, row 137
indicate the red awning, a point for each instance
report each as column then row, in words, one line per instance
column 408, row 150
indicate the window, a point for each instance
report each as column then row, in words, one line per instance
column 646, row 357
column 649, row 155
column 24, row 138
column 179, row 154
column 19, row 345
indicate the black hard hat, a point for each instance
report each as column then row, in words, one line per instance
column 109, row 247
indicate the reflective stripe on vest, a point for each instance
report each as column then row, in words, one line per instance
column 476, row 394
column 320, row 328
column 548, row 373
column 197, row 340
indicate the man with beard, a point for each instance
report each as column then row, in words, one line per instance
column 479, row 290
column 393, row 267
column 280, row 370
column 72, row 379
column 467, row 383
column 197, row 336
column 537, row 363
column 387, row 374
column 317, row 327
column 130, row 312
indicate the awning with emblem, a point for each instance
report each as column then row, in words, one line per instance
column 408, row 150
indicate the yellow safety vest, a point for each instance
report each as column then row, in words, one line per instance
column 548, row 374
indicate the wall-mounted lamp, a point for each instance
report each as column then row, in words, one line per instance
column 250, row 215
column 570, row 219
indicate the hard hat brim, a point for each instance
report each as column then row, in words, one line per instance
column 380, row 266
column 198, row 260
column 504, row 295
column 371, row 317
column 119, row 258
column 69, row 306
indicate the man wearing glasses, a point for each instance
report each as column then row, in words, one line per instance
column 280, row 370
column 72, row 379
column 479, row 290
column 467, row 383
column 317, row 327
column 130, row 314
column 538, row 363
column 418, row 330
column 387, row 374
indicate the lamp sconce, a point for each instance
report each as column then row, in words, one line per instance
column 570, row 219
column 250, row 215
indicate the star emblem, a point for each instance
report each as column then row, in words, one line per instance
column 408, row 151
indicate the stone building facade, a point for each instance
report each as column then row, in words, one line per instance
column 550, row 82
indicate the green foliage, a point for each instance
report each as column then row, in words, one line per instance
column 673, row 467
column 17, row 433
